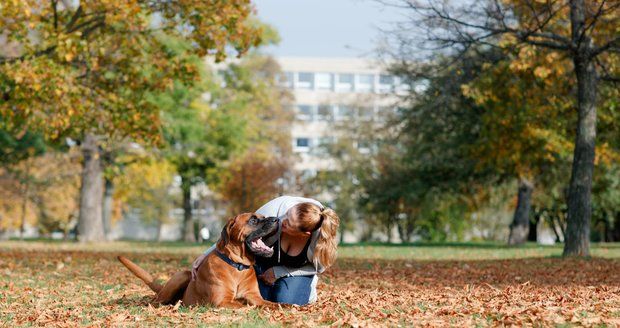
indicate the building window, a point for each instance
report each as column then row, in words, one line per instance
column 326, row 141
column 324, row 81
column 363, row 146
column 221, row 77
column 345, row 112
column 323, row 145
column 304, row 113
column 365, row 83
column 307, row 174
column 302, row 144
column 285, row 79
column 345, row 83
column 386, row 113
column 386, row 83
column 365, row 113
column 305, row 81
column 325, row 113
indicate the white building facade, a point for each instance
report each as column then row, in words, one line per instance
column 333, row 90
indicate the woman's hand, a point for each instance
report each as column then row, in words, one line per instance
column 268, row 277
column 197, row 264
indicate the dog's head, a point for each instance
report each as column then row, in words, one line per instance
column 247, row 231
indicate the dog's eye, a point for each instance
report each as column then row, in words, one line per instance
column 253, row 221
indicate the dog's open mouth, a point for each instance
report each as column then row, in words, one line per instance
column 258, row 247
column 255, row 241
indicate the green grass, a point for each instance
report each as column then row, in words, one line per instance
column 414, row 251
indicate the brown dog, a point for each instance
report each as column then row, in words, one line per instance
column 227, row 275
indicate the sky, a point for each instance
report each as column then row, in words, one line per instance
column 326, row 28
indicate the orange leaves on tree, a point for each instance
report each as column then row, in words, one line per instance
column 66, row 55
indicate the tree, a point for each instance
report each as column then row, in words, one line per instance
column 241, row 106
column 56, row 193
column 356, row 158
column 83, row 69
column 145, row 187
column 17, row 153
column 430, row 164
column 252, row 85
column 583, row 31
column 524, row 131
column 198, row 138
column 250, row 180
column 42, row 191
column 116, row 156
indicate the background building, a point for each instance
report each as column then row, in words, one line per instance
column 329, row 91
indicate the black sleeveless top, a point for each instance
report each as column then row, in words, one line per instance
column 290, row 261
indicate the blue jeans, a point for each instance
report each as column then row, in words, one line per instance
column 289, row 290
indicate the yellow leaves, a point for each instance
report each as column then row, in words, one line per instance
column 470, row 91
column 542, row 72
column 552, row 57
column 606, row 155
column 145, row 185
column 128, row 47
column 53, row 183
column 466, row 90
column 27, row 11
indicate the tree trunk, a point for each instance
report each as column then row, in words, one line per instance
column 26, row 194
column 108, row 201
column 615, row 234
column 551, row 222
column 160, row 224
column 577, row 238
column 519, row 228
column 90, row 222
column 533, row 233
column 402, row 231
column 188, row 223
column 388, row 226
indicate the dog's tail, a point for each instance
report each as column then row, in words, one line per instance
column 140, row 273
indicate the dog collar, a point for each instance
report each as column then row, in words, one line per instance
column 232, row 263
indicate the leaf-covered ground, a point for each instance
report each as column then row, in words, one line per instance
column 59, row 284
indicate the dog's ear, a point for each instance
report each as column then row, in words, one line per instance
column 224, row 235
column 226, row 230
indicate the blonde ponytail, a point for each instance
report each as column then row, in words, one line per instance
column 325, row 250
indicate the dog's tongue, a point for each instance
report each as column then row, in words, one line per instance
column 258, row 244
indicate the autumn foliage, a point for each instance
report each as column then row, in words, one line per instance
column 251, row 181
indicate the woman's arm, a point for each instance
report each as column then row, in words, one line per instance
column 284, row 271
column 198, row 261
column 274, row 273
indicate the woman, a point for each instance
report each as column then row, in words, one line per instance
column 304, row 246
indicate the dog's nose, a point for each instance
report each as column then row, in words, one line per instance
column 272, row 219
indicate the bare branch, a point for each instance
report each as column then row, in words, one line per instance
column 609, row 78
column 543, row 43
column 55, row 11
column 607, row 74
column 85, row 24
column 468, row 31
column 40, row 53
column 594, row 20
column 613, row 45
column 74, row 18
